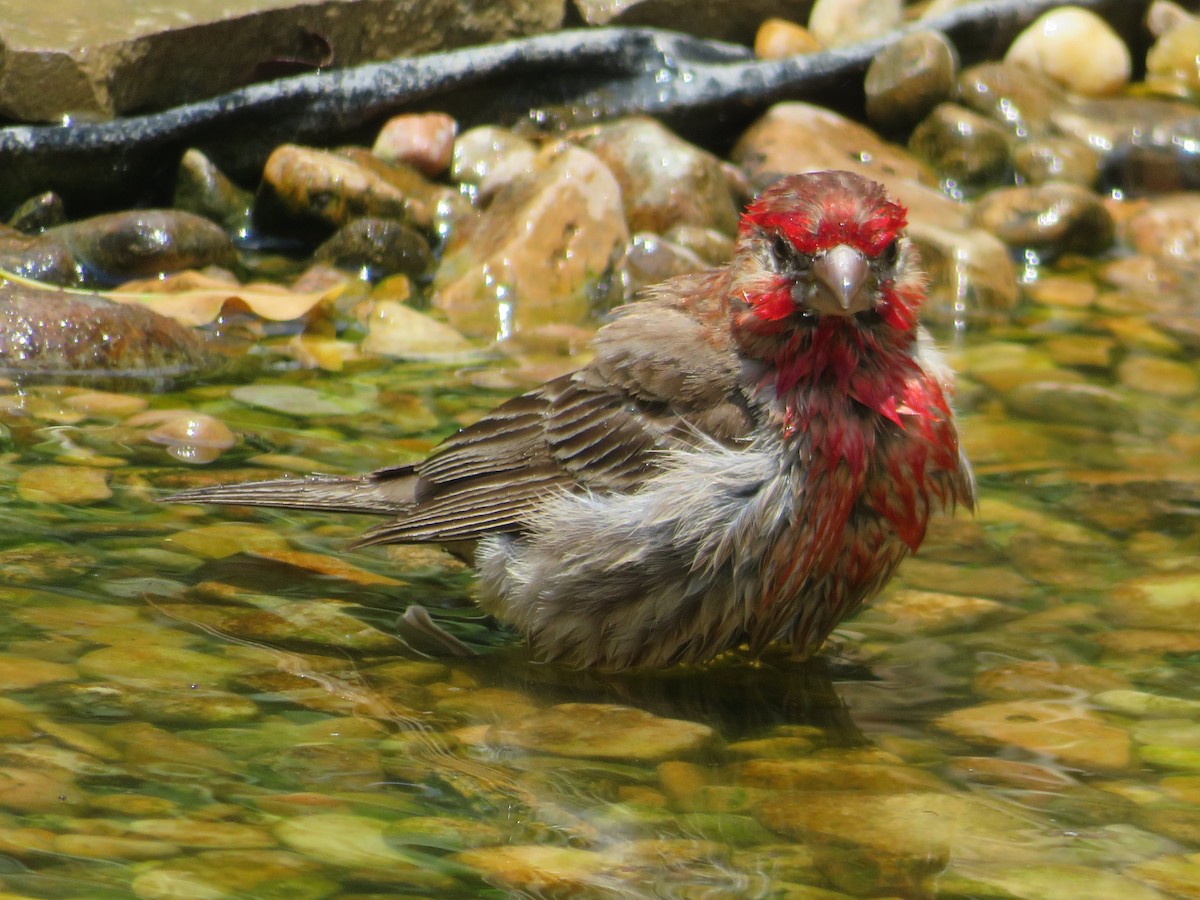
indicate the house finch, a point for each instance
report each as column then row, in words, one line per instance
column 750, row 454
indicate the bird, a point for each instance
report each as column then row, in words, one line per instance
column 748, row 456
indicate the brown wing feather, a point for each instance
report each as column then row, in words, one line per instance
column 660, row 379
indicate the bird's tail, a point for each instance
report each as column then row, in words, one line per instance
column 384, row 493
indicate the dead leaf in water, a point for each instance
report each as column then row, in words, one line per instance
column 194, row 298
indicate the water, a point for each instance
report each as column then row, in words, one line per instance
column 214, row 703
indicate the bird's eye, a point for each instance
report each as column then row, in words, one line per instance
column 890, row 254
column 787, row 259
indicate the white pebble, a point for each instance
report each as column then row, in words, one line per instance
column 1076, row 48
column 837, row 23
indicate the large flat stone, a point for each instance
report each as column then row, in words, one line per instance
column 109, row 57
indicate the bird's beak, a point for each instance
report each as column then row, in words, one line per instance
column 840, row 276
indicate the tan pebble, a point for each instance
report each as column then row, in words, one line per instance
column 226, row 539
column 193, row 833
column 539, row 869
column 324, row 565
column 641, row 796
column 71, row 485
column 328, row 354
column 779, row 39
column 190, row 437
column 1184, row 788
column 932, row 612
column 1163, row 16
column 681, row 780
column 1081, row 350
column 76, row 739
column 103, row 404
column 22, row 673
column 94, row 846
column 837, row 23
column 1067, row 292
column 1072, row 734
column 424, row 141
column 36, row 791
column 1163, row 377
column 134, row 805
column 22, row 841
column 1076, row 48
column 1171, row 63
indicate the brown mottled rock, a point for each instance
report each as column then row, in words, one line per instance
column 539, row 870
column 425, row 194
column 116, row 247
column 42, row 257
column 543, row 251
column 1158, row 376
column 835, row 775
column 801, row 137
column 193, row 708
column 424, row 141
column 51, row 334
column 965, row 148
column 919, row 824
column 971, row 274
column 235, row 873
column 1066, row 403
column 203, row 189
column 651, row 259
column 70, row 56
column 18, row 673
column 318, row 185
column 37, row 791
column 1167, row 228
column 72, row 485
column 727, row 22
column 38, row 213
column 1016, row 98
column 713, row 247
column 1071, row 733
column 780, row 38
column 1178, row 875
column 1049, row 219
column 603, row 731
column 931, row 612
column 665, row 181
column 322, row 623
column 1169, row 601
column 377, row 247
column 908, row 78
column 144, row 242
column 491, row 153
column 1045, row 678
column 1056, row 159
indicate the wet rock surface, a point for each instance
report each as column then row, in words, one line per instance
column 163, row 57
column 59, row 335
column 241, row 128
column 204, row 702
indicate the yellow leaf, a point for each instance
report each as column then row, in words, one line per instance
column 193, row 298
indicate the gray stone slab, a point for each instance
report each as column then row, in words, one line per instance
column 96, row 58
